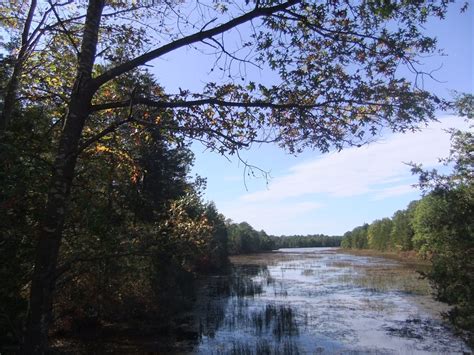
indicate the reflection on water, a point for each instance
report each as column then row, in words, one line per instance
column 310, row 301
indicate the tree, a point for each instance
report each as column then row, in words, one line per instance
column 136, row 234
column 378, row 234
column 337, row 87
column 443, row 224
column 27, row 23
column 243, row 239
column 308, row 241
column 359, row 237
column 444, row 235
column 217, row 257
column 346, row 242
column 402, row 228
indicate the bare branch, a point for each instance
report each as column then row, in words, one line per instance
column 61, row 23
column 249, row 170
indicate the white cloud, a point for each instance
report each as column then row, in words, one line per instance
column 358, row 171
column 394, row 191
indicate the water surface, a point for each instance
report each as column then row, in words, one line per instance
column 319, row 300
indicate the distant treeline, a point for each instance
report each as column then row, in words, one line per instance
column 243, row 239
column 307, row 241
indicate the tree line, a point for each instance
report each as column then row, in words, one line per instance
column 97, row 211
column 307, row 241
column 244, row 239
column 439, row 227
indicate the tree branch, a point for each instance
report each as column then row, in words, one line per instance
column 112, row 127
column 61, row 23
column 208, row 101
column 195, row 130
column 194, row 38
column 101, row 134
column 218, row 102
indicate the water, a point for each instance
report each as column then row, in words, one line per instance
column 319, row 300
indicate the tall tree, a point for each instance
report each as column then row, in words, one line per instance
column 336, row 83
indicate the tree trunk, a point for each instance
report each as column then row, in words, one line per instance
column 50, row 232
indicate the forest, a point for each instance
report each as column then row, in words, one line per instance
column 100, row 220
column 439, row 227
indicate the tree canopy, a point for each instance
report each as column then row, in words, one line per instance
column 339, row 85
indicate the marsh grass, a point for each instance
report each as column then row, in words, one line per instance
column 277, row 320
column 243, row 286
column 260, row 347
column 409, row 258
column 375, row 305
column 307, row 272
column 346, row 279
column 398, row 279
column 340, row 264
column 403, row 273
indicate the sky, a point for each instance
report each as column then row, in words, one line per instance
column 331, row 193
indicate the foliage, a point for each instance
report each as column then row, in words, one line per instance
column 307, row 241
column 216, row 258
column 243, row 239
column 357, row 238
column 137, row 234
column 402, row 228
column 378, row 234
column 444, row 234
column 24, row 170
column 340, row 83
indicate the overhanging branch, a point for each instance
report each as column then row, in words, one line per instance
column 194, row 38
column 201, row 102
column 237, row 104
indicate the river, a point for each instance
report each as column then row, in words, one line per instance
column 320, row 301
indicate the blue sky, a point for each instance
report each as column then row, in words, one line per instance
column 330, row 193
